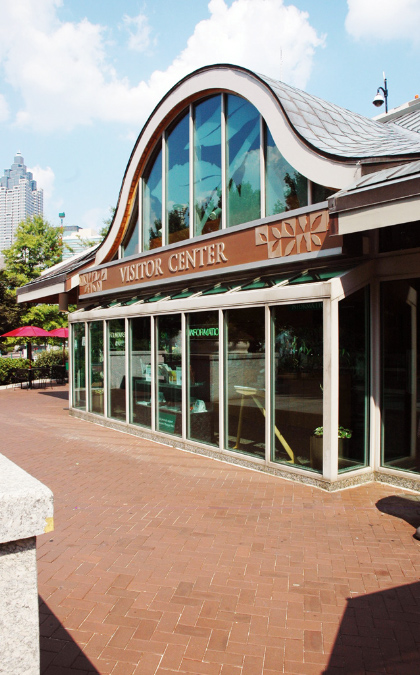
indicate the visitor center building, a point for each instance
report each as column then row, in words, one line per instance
column 255, row 299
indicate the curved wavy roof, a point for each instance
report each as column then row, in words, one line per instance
column 339, row 132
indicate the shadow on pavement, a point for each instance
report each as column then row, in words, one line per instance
column 379, row 633
column 60, row 655
column 406, row 507
column 57, row 394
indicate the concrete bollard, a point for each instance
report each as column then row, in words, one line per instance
column 26, row 510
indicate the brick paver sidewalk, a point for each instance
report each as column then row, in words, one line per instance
column 167, row 562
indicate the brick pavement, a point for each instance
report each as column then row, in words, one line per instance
column 166, row 562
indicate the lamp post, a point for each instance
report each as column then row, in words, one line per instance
column 380, row 98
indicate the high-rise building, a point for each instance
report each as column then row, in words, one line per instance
column 19, row 198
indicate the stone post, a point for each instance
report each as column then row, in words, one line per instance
column 26, row 510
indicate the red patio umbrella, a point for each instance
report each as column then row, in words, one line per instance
column 27, row 332
column 60, row 333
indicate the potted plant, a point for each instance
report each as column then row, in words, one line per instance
column 317, row 445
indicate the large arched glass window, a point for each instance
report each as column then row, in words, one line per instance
column 216, row 187
column 243, row 161
column 152, row 204
column 285, row 188
column 130, row 244
column 207, row 166
column 178, row 181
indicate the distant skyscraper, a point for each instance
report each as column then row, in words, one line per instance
column 19, row 198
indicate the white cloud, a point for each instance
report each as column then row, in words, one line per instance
column 94, row 218
column 139, row 30
column 45, row 180
column 61, row 72
column 383, row 19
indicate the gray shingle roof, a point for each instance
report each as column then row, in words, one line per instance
column 411, row 121
column 338, row 132
column 395, row 173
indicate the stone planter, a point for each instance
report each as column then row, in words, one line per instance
column 317, row 449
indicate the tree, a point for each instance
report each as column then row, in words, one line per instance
column 37, row 247
column 107, row 222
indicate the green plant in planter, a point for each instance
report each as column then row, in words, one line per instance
column 342, row 432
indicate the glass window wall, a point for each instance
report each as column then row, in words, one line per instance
column 96, row 367
column 169, row 375
column 297, row 369
column 79, row 366
column 131, row 241
column 207, row 166
column 178, row 181
column 400, row 374
column 353, row 433
column 141, row 372
column 116, row 369
column 152, row 205
column 203, row 377
column 285, row 188
column 243, row 161
column 245, row 381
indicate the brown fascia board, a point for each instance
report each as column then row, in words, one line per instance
column 374, row 195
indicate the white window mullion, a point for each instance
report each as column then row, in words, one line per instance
column 221, row 381
column 310, row 197
column 224, row 160
column 106, row 367
column 153, row 361
column 127, row 372
column 268, row 385
column 191, row 173
column 87, row 388
column 374, row 458
column 71, row 362
column 184, row 374
column 262, row 165
column 330, row 388
column 164, row 175
column 141, row 224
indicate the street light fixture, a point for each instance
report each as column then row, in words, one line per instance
column 381, row 98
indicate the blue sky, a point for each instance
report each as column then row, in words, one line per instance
column 78, row 79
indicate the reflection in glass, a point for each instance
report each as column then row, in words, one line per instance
column 354, row 380
column 320, row 193
column 169, row 375
column 116, row 368
column 243, row 161
column 203, row 377
column 285, row 188
column 400, row 376
column 141, row 371
column 207, row 166
column 245, row 381
column 96, row 367
column 178, row 181
column 79, row 363
column 297, row 387
column 152, row 205
column 131, row 240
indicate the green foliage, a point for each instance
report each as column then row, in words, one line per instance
column 8, row 369
column 47, row 317
column 51, row 358
column 107, row 222
column 37, row 246
column 342, row 432
column 10, row 312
